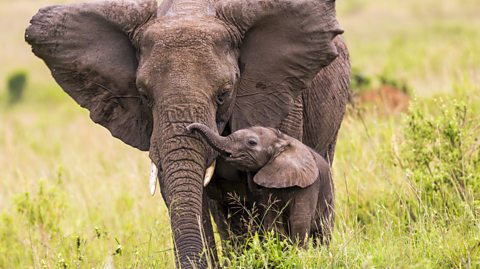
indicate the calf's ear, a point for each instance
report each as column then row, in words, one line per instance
column 294, row 166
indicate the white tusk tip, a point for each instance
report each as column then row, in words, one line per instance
column 209, row 174
column 153, row 179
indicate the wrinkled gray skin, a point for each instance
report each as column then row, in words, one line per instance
column 146, row 72
column 290, row 182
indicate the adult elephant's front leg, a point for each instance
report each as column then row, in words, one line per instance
column 324, row 107
column 208, row 232
column 230, row 203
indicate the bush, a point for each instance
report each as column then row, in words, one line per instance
column 16, row 83
column 9, row 239
column 441, row 156
column 44, row 210
column 396, row 83
column 360, row 81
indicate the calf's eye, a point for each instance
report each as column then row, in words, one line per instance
column 252, row 142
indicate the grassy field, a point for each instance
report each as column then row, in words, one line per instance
column 408, row 186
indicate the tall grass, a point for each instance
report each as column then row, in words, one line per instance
column 394, row 216
column 407, row 193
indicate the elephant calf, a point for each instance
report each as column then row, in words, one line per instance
column 291, row 183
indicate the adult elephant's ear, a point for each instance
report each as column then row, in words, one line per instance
column 284, row 43
column 89, row 50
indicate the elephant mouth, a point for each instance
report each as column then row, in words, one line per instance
column 240, row 161
column 228, row 156
column 224, row 153
column 231, row 158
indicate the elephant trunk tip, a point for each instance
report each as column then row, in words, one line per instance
column 219, row 143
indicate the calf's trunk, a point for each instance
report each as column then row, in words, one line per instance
column 217, row 142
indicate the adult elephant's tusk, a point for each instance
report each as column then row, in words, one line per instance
column 209, row 173
column 153, row 178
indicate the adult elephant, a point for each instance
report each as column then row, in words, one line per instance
column 146, row 72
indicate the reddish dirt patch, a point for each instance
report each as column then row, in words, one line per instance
column 386, row 99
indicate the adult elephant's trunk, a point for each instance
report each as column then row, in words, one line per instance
column 217, row 142
column 183, row 188
column 183, row 158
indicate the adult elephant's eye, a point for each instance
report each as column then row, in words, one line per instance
column 221, row 97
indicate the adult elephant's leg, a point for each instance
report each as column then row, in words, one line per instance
column 219, row 217
column 324, row 107
column 324, row 104
column 208, row 231
column 230, row 201
column 227, row 216
column 324, row 220
column 217, row 191
column 325, row 207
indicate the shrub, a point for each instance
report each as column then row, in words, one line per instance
column 16, row 85
column 8, row 238
column 441, row 156
column 360, row 81
column 396, row 83
column 44, row 210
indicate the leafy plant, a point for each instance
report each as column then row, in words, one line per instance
column 441, row 156
column 359, row 81
column 16, row 83
column 396, row 83
column 44, row 210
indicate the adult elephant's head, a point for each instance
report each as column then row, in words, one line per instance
column 146, row 72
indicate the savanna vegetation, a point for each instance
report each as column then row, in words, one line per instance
column 407, row 185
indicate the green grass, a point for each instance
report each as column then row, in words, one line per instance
column 71, row 196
